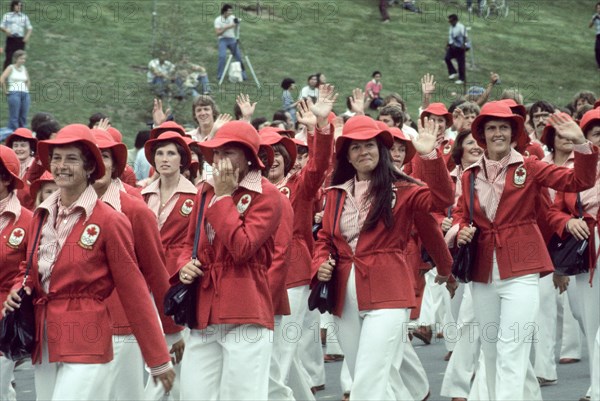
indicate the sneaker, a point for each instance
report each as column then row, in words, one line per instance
column 452, row 76
column 459, row 82
column 385, row 21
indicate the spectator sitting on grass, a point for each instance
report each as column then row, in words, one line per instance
column 373, row 90
column 288, row 84
column 161, row 72
column 312, row 89
column 193, row 76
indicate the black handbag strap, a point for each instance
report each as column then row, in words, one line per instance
column 471, row 196
column 579, row 206
column 33, row 250
column 337, row 209
column 199, row 227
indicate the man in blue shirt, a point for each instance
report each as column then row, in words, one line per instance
column 455, row 49
column 17, row 28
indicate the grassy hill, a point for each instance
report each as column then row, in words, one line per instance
column 91, row 56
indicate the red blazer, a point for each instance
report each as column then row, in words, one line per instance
column 278, row 271
column 302, row 189
column 515, row 235
column 235, row 287
column 563, row 210
column 174, row 232
column 128, row 176
column 384, row 278
column 13, row 250
column 151, row 261
column 73, row 312
column 25, row 197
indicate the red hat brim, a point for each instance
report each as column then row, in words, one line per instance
column 70, row 135
column 271, row 139
column 208, row 147
column 169, row 136
column 397, row 134
column 35, row 186
column 11, row 163
column 521, row 137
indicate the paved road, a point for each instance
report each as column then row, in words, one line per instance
column 573, row 380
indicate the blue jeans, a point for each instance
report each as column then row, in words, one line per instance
column 231, row 44
column 18, row 108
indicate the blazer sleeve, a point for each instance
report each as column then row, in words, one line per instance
column 558, row 215
column 313, row 175
column 322, row 247
column 431, row 237
column 244, row 235
column 565, row 179
column 435, row 174
column 128, row 283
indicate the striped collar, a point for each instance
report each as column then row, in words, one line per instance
column 184, row 186
column 112, row 196
column 11, row 205
column 86, row 202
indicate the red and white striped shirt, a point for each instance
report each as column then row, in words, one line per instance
column 112, row 196
column 10, row 208
column 59, row 224
column 355, row 209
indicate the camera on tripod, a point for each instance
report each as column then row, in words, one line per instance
column 236, row 20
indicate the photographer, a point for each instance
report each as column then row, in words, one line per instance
column 595, row 23
column 225, row 26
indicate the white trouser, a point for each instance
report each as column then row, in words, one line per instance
column 311, row 349
column 155, row 391
column 451, row 328
column 588, row 299
column 544, row 342
column 286, row 337
column 371, row 340
column 227, row 362
column 332, row 345
column 506, row 327
column 298, row 381
column 462, row 365
column 7, row 367
column 62, row 381
column 408, row 377
column 433, row 300
column 126, row 376
column 345, row 378
column 570, row 335
column 595, row 396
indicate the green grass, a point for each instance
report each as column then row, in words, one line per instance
column 91, row 56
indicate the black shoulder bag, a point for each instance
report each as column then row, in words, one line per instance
column 181, row 299
column 322, row 296
column 462, row 265
column 570, row 256
column 17, row 329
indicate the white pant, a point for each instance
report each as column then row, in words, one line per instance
column 227, row 362
column 462, row 365
column 451, row 329
column 70, row 381
column 570, row 335
column 596, row 369
column 545, row 337
column 7, row 367
column 126, row 369
column 408, row 377
column 156, row 391
column 310, row 348
column 506, row 327
column 433, row 300
column 371, row 340
column 286, row 337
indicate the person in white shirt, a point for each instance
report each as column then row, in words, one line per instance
column 225, row 28
column 455, row 49
column 15, row 85
column 160, row 73
column 17, row 28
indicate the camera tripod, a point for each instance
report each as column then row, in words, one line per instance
column 238, row 45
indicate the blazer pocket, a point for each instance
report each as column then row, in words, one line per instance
column 239, row 298
column 526, row 252
column 387, row 283
column 84, row 333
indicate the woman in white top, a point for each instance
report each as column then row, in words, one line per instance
column 15, row 85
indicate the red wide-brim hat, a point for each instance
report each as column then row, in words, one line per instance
column 11, row 163
column 169, row 136
column 71, row 134
column 499, row 111
column 239, row 132
column 362, row 128
column 269, row 136
column 119, row 151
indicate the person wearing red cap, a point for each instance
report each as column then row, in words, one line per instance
column 126, row 373
column 14, row 227
column 511, row 250
column 42, row 188
column 74, row 270
column 24, row 145
column 235, row 315
column 171, row 196
column 373, row 283
column 301, row 190
column 564, row 219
